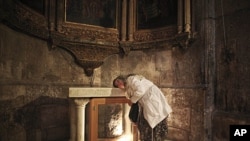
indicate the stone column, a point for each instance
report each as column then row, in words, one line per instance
column 187, row 16
column 72, row 116
column 124, row 20
column 51, row 15
column 180, row 16
column 193, row 16
column 60, row 13
column 131, row 20
column 80, row 118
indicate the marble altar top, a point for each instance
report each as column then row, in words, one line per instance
column 77, row 92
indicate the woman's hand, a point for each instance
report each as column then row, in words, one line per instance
column 129, row 103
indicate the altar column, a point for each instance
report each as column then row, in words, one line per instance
column 78, row 99
column 80, row 118
column 72, row 117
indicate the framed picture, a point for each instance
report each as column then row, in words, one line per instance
column 153, row 14
column 92, row 12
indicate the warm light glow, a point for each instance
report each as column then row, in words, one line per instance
column 127, row 137
column 116, row 125
column 118, row 129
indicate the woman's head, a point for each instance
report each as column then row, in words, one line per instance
column 119, row 82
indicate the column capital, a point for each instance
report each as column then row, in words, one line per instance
column 81, row 102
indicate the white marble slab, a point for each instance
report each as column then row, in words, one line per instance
column 76, row 92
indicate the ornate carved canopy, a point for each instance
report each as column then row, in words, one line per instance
column 92, row 30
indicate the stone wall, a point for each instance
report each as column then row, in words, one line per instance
column 232, row 47
column 34, row 79
column 34, row 86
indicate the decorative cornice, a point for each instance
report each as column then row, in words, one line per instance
column 87, row 32
column 155, row 34
column 81, row 102
column 90, row 45
column 87, row 54
column 182, row 40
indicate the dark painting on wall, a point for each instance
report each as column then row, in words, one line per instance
column 37, row 5
column 156, row 13
column 92, row 12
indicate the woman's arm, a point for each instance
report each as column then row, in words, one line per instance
column 136, row 89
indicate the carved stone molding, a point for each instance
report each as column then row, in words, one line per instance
column 88, row 55
column 89, row 33
column 182, row 40
column 152, row 35
column 81, row 102
column 91, row 44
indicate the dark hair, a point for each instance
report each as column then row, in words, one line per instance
column 120, row 77
column 123, row 78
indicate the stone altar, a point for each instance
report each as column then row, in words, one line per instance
column 80, row 97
